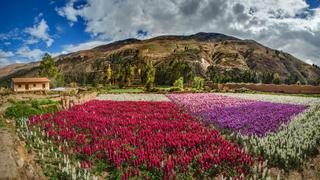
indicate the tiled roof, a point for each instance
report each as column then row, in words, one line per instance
column 31, row 80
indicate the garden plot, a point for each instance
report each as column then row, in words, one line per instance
column 143, row 140
column 133, row 97
column 247, row 117
column 274, row 98
column 294, row 143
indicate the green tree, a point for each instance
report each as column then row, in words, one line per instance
column 198, row 83
column 49, row 69
column 276, row 79
column 169, row 71
column 178, row 83
column 292, row 79
column 130, row 75
column 109, row 73
column 120, row 76
column 149, row 76
column 215, row 75
column 267, row 77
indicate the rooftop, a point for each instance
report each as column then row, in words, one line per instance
column 33, row 80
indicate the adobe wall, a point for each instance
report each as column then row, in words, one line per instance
column 282, row 88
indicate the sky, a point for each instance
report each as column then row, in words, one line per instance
column 30, row 28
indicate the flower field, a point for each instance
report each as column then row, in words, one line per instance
column 274, row 98
column 247, row 117
column 153, row 136
column 291, row 147
column 133, row 97
column 155, row 140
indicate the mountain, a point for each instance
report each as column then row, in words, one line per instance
column 196, row 51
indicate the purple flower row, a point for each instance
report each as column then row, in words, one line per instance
column 247, row 117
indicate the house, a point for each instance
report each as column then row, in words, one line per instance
column 30, row 84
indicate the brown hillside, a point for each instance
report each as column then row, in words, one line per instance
column 199, row 50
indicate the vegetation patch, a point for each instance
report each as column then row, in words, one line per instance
column 25, row 109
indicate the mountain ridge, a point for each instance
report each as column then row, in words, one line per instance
column 199, row 50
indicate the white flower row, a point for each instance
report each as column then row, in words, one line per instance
column 293, row 143
column 274, row 98
column 133, row 97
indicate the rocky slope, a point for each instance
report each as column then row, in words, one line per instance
column 199, row 50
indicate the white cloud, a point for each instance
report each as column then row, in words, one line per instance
column 69, row 12
column 31, row 41
column 26, row 52
column 6, row 54
column 82, row 46
column 268, row 22
column 40, row 31
column 4, row 62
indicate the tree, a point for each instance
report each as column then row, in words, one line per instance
column 292, row 79
column 178, row 84
column 48, row 69
column 276, row 79
column 149, row 76
column 109, row 73
column 130, row 74
column 267, row 77
column 198, row 83
column 170, row 70
column 120, row 77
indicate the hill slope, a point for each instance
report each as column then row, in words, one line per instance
column 198, row 50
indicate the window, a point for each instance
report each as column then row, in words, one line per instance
column 19, row 85
column 34, row 85
column 43, row 86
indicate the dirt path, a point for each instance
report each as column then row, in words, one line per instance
column 15, row 161
column 8, row 166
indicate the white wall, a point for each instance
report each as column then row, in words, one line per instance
column 32, row 87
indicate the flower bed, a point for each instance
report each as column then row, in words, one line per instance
column 274, row 98
column 133, row 97
column 247, row 117
column 291, row 146
column 141, row 139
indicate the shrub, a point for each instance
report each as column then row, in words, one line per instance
column 149, row 76
column 23, row 109
column 179, row 83
column 198, row 83
column 276, row 79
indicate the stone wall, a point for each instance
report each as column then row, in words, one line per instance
column 69, row 101
column 282, row 88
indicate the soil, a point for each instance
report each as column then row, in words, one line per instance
column 15, row 161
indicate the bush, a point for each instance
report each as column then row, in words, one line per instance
column 243, row 90
column 174, row 89
column 198, row 83
column 178, row 83
column 25, row 109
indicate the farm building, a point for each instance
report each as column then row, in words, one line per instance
column 30, row 84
